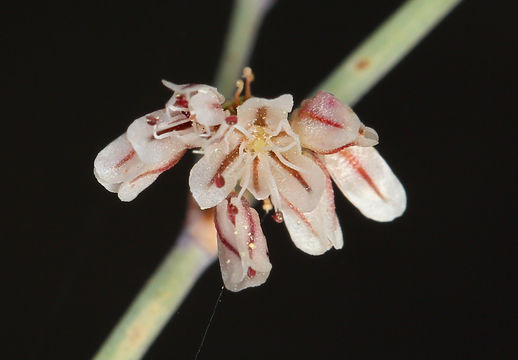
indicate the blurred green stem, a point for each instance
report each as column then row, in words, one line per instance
column 195, row 247
column 384, row 48
column 246, row 19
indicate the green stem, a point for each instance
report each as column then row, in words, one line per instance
column 384, row 48
column 156, row 302
column 239, row 42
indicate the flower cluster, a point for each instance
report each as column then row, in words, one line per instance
column 251, row 146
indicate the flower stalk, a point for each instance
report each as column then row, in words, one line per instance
column 384, row 48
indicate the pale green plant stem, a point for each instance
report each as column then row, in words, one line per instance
column 157, row 300
column 384, row 48
column 190, row 256
column 245, row 21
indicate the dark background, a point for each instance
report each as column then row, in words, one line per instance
column 436, row 283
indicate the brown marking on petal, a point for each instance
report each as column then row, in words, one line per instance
column 224, row 241
column 362, row 64
column 229, row 159
column 251, row 272
column 255, row 172
column 161, row 169
column 251, row 227
column 301, row 216
column 126, row 158
column 260, row 116
column 180, row 127
column 292, row 172
column 304, row 112
column 357, row 166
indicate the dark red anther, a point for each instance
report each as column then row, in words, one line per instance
column 181, row 102
column 232, row 212
column 277, row 217
column 187, row 114
column 231, row 120
column 251, row 272
column 151, row 120
column 219, row 180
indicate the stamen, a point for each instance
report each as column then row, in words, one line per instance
column 219, row 180
column 231, row 120
column 249, row 77
column 278, row 217
column 239, row 85
column 151, row 120
column 267, row 205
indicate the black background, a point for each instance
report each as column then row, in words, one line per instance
column 434, row 284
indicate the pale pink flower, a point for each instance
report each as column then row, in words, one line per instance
column 155, row 142
column 252, row 147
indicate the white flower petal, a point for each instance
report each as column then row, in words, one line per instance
column 216, row 174
column 242, row 248
column 316, row 231
column 367, row 181
column 206, row 105
column 264, row 112
column 129, row 189
column 149, row 149
column 116, row 163
column 325, row 124
column 255, row 178
column 301, row 188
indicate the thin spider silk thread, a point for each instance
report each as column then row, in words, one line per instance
column 210, row 321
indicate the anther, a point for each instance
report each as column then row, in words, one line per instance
column 219, row 180
column 151, row 120
column 277, row 217
column 231, row 120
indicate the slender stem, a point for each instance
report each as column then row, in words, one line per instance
column 239, row 43
column 194, row 250
column 384, row 48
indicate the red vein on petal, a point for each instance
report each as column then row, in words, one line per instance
column 161, row 169
column 180, row 127
column 229, row 159
column 300, row 215
column 255, row 173
column 329, row 189
column 324, row 120
column 126, row 158
column 357, row 166
column 223, row 240
column 334, row 151
column 292, row 172
column 251, row 226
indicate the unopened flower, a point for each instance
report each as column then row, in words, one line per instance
column 250, row 146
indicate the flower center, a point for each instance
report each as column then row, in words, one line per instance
column 260, row 142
